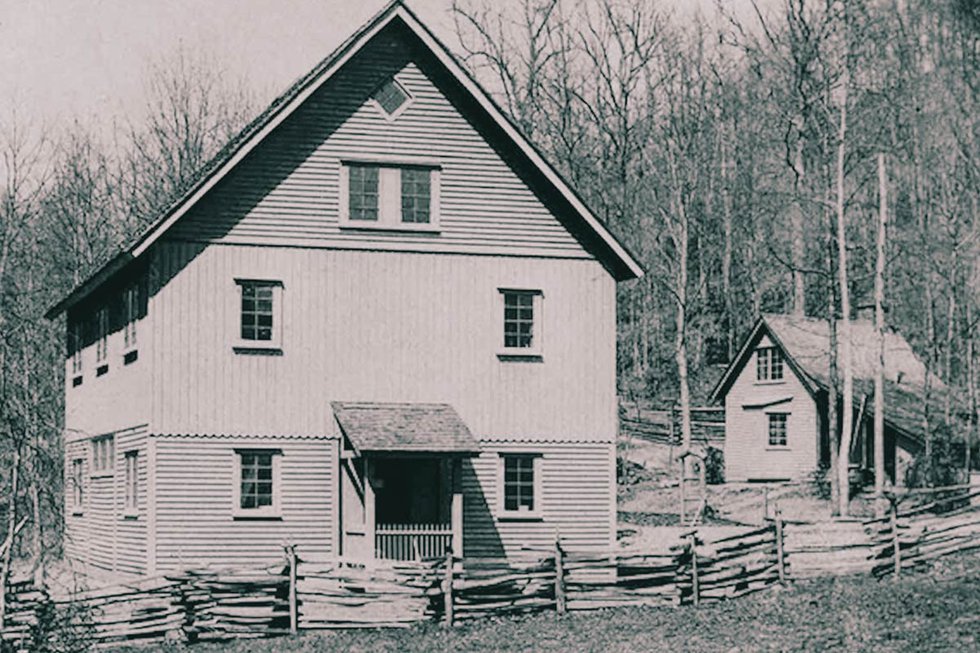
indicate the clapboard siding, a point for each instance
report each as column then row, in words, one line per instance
column 578, row 499
column 115, row 400
column 194, row 488
column 102, row 536
column 287, row 192
column 748, row 455
column 380, row 326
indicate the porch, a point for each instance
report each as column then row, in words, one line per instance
column 401, row 480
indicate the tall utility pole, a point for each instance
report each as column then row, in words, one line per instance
column 879, row 407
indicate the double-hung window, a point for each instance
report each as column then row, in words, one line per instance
column 75, row 344
column 77, row 488
column 131, row 306
column 103, row 455
column 131, row 492
column 520, row 485
column 101, row 340
column 257, row 483
column 769, row 364
column 382, row 195
column 260, row 315
column 777, row 429
column 521, row 324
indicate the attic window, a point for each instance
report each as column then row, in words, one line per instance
column 391, row 97
column 769, row 364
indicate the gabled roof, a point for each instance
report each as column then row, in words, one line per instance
column 404, row 428
column 607, row 249
column 805, row 344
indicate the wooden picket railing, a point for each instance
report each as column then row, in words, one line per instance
column 412, row 541
column 306, row 594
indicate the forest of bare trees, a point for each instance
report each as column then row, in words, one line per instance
column 741, row 156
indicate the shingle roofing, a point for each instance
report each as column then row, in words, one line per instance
column 404, row 428
column 607, row 249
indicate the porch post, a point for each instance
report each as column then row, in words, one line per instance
column 369, row 527
column 457, row 506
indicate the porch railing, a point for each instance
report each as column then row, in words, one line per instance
column 412, row 541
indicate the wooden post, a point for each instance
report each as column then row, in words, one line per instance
column 560, row 603
column 695, row 588
column 683, row 483
column 765, row 503
column 896, row 544
column 456, row 509
column 293, row 607
column 447, row 588
column 780, row 553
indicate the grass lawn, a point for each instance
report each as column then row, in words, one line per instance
column 934, row 611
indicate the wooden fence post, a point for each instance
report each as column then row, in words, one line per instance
column 447, row 587
column 896, row 543
column 560, row 603
column 780, row 552
column 293, row 604
column 695, row 588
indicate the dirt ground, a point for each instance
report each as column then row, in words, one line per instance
column 649, row 499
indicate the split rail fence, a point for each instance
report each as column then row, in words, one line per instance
column 310, row 594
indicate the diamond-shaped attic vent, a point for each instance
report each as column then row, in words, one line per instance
column 391, row 96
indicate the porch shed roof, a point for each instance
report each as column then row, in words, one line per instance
column 404, row 428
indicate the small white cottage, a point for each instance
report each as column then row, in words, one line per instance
column 775, row 397
column 379, row 325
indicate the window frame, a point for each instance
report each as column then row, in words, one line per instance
column 103, row 455
column 536, row 513
column 130, row 314
column 390, row 116
column 77, row 477
column 77, row 339
column 536, row 351
column 102, row 335
column 772, row 419
column 272, row 512
column 274, row 344
column 390, row 216
column 767, row 360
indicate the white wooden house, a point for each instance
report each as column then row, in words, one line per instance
column 775, row 397
column 378, row 325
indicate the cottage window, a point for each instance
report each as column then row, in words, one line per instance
column 77, row 488
column 257, row 483
column 132, row 483
column 777, row 429
column 521, row 322
column 103, row 455
column 520, row 485
column 260, row 317
column 383, row 195
column 391, row 97
column 769, row 364
column 101, row 334
column 130, row 315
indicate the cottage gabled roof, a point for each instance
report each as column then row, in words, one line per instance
column 582, row 222
column 404, row 428
column 805, row 343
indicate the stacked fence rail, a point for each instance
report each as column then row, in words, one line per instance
column 700, row 565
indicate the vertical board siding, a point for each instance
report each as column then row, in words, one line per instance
column 287, row 192
column 380, row 326
column 578, row 497
column 102, row 536
column 748, row 455
column 194, row 518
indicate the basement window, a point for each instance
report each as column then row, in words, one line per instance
column 520, row 483
column 103, row 455
column 76, row 481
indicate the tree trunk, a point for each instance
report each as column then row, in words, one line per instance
column 797, row 233
column 833, row 430
column 726, row 255
column 847, row 409
column 9, row 539
column 879, row 398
